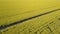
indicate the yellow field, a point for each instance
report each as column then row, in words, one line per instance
column 15, row 10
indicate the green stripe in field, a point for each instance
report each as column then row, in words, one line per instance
column 35, row 25
column 26, row 19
